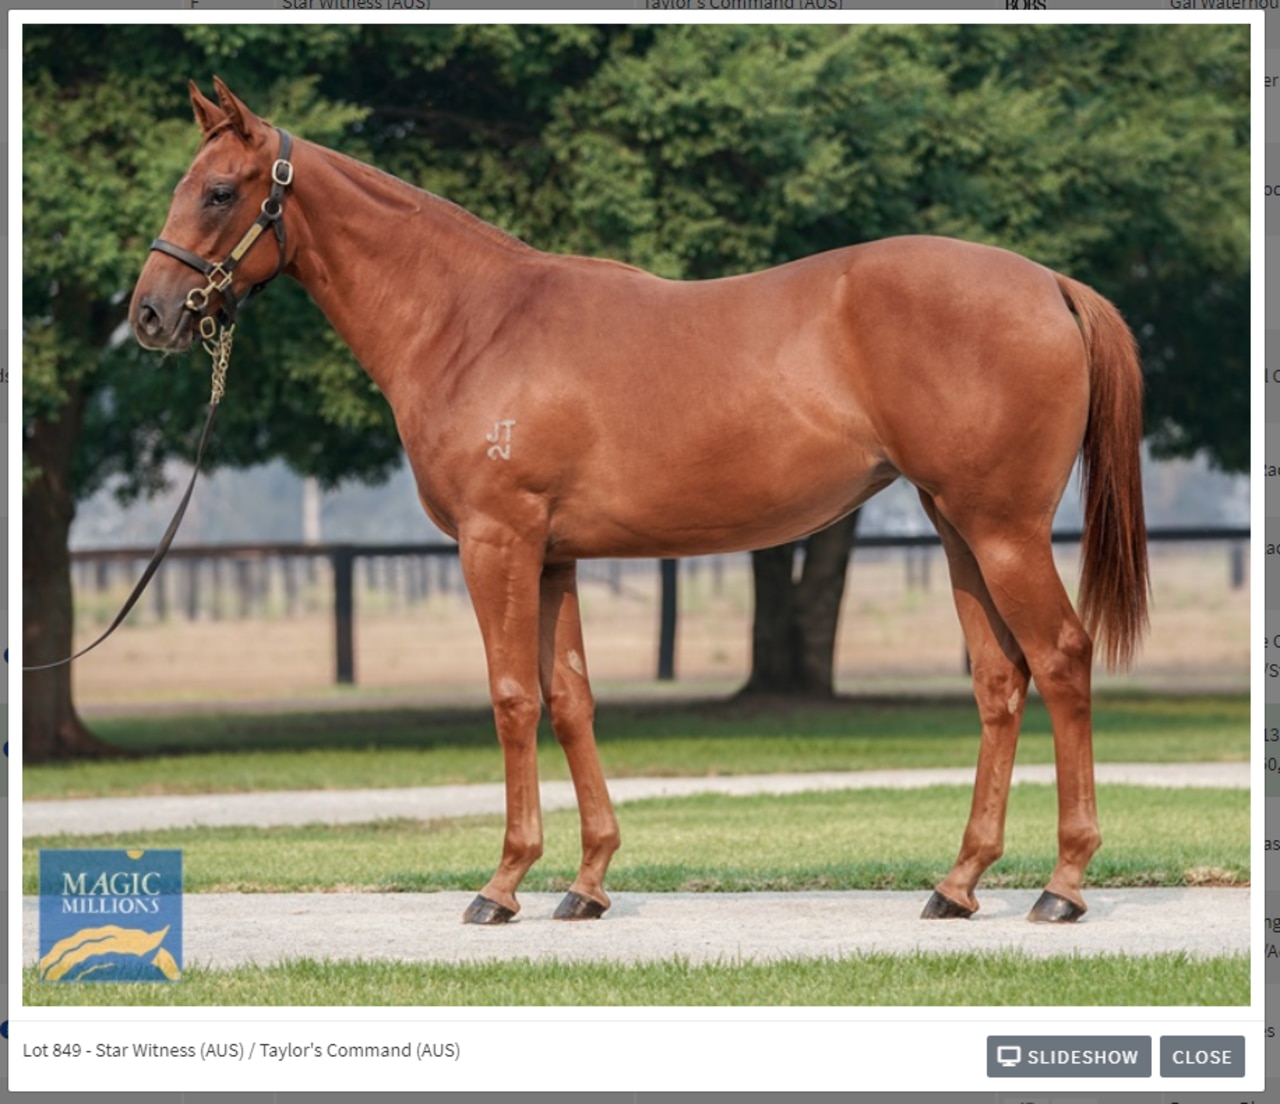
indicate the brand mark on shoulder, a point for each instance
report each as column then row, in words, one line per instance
column 499, row 439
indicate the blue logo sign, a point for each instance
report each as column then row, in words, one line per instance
column 110, row 915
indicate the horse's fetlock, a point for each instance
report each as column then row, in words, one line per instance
column 989, row 855
column 1079, row 842
column 982, row 852
column 522, row 851
column 609, row 841
column 1091, row 841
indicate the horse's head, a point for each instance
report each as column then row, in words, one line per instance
column 208, row 256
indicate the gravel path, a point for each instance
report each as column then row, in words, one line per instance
column 225, row 930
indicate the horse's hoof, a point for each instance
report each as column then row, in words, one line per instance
column 1053, row 909
column 484, row 911
column 943, row 908
column 577, row 907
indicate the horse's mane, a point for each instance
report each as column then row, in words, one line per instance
column 405, row 198
column 399, row 195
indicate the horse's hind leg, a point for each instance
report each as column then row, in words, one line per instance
column 1020, row 575
column 567, row 692
column 1000, row 677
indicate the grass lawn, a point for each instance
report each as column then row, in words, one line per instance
column 1008, row 979
column 865, row 839
column 387, row 748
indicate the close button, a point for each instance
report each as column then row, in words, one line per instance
column 1202, row 1056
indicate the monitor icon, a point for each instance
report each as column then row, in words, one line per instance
column 1009, row 1056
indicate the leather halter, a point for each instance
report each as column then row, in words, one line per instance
column 219, row 273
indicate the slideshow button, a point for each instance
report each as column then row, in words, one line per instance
column 1202, row 1056
column 1068, row 1055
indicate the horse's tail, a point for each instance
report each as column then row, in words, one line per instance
column 1113, row 577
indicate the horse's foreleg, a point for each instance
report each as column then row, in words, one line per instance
column 502, row 576
column 1029, row 595
column 1000, row 678
column 567, row 691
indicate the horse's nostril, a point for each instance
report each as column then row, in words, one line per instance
column 148, row 319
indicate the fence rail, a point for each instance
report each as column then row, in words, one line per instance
column 292, row 573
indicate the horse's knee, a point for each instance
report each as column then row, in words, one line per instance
column 515, row 710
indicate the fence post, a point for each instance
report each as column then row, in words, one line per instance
column 192, row 596
column 242, row 571
column 218, row 566
column 342, row 557
column 1237, row 565
column 667, row 622
column 159, row 596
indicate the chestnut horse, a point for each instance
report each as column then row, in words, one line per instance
column 557, row 407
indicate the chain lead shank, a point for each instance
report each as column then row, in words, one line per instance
column 219, row 350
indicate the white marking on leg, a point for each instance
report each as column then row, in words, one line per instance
column 575, row 663
column 1014, row 698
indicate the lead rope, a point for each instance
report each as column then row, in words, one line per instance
column 219, row 350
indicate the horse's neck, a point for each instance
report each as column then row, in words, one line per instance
column 392, row 267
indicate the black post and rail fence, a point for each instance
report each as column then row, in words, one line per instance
column 343, row 559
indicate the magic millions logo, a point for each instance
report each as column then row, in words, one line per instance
column 110, row 915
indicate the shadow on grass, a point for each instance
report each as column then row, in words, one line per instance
column 854, row 718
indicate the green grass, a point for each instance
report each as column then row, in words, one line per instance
column 869, row 839
column 387, row 748
column 997, row 979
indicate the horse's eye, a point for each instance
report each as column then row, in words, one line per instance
column 220, row 196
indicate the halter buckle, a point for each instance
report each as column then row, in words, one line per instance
column 197, row 299
column 219, row 277
column 282, row 172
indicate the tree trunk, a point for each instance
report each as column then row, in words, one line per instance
column 794, row 629
column 51, row 728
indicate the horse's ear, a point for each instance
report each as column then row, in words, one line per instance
column 208, row 113
column 245, row 122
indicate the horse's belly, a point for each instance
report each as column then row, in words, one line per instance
column 688, row 512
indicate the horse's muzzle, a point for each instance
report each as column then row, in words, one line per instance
column 161, row 327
